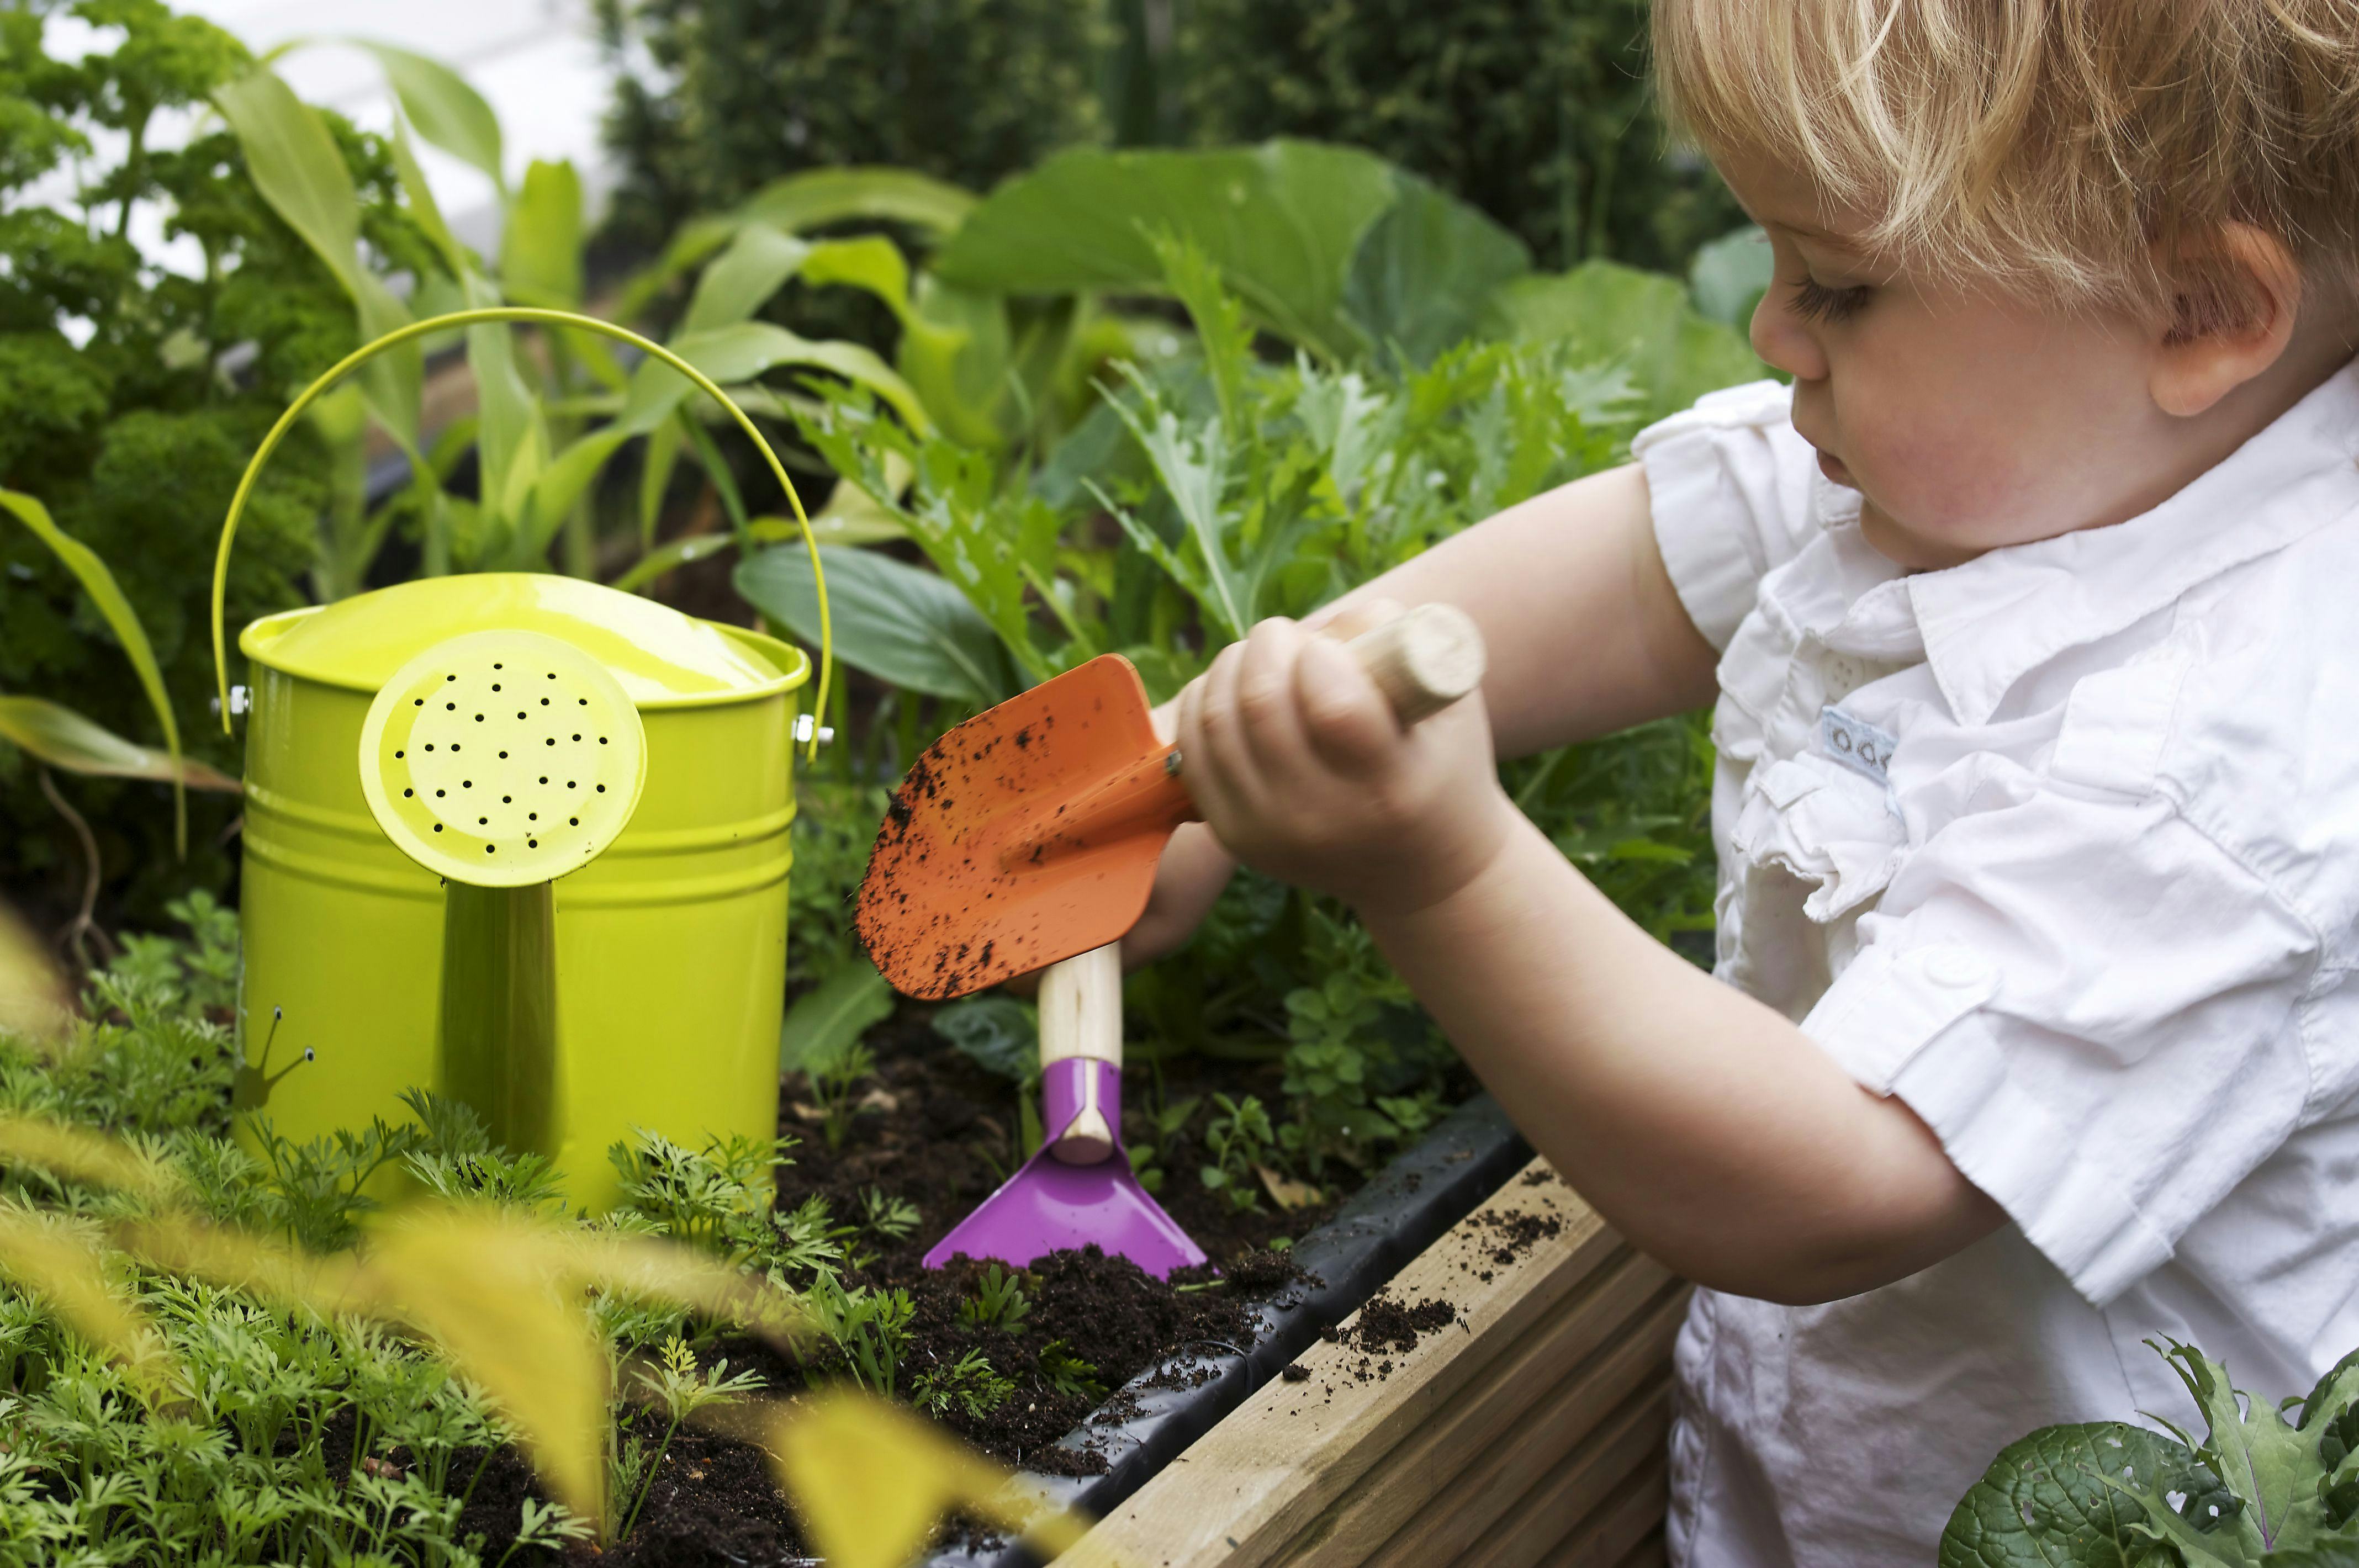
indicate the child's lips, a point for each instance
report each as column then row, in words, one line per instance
column 1831, row 465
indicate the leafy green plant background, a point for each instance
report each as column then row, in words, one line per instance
column 1537, row 111
column 1128, row 400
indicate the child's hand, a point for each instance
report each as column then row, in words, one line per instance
column 1299, row 767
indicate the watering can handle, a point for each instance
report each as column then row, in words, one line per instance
column 476, row 317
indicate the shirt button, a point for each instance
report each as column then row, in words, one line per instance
column 1950, row 966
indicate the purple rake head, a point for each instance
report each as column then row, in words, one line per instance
column 1049, row 1204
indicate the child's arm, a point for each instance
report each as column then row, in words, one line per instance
column 1705, row 1127
column 1584, row 632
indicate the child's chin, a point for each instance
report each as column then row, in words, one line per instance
column 1910, row 551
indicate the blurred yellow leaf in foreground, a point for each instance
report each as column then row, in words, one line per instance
column 870, row 1479
column 33, row 997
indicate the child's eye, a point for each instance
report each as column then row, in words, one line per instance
column 1816, row 301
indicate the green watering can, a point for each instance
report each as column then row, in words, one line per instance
column 519, row 838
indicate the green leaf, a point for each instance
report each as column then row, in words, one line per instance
column 808, row 200
column 295, row 164
column 749, row 349
column 1282, row 223
column 107, row 594
column 756, row 265
column 1421, row 279
column 1610, row 314
column 955, row 352
column 824, row 196
column 999, row 1033
column 826, row 1021
column 540, row 254
column 2273, row 1467
column 1731, row 275
column 58, row 735
column 2044, row 1501
column 447, row 111
column 893, row 621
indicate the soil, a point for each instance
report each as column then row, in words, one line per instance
column 939, row 1131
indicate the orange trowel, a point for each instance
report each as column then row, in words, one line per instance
column 1030, row 833
column 1027, row 838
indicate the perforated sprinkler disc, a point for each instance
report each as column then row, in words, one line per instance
column 502, row 759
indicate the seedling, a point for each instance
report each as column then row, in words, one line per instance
column 1240, row 1139
column 681, row 1389
column 970, row 1385
column 1069, row 1374
column 869, row 1327
column 997, row 1302
column 834, row 1080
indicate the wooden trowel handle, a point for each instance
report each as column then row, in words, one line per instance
column 1081, row 1015
column 1423, row 659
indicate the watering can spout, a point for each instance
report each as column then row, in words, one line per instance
column 500, row 761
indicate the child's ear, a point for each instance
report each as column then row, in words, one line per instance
column 2231, row 318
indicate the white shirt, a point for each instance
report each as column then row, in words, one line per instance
column 2061, row 847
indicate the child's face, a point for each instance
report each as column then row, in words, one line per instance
column 1966, row 419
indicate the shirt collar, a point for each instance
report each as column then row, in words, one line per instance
column 1989, row 622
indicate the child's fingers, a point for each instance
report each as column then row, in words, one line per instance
column 1345, row 622
column 1345, row 716
column 1265, row 699
column 1208, row 737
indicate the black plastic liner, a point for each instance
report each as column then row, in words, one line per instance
column 1384, row 1224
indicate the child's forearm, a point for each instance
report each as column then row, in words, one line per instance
column 1703, row 1126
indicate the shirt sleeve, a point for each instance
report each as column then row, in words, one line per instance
column 1732, row 487
column 2097, row 1010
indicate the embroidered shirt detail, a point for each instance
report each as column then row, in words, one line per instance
column 1856, row 744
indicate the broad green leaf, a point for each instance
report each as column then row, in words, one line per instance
column 1731, row 275
column 893, row 621
column 1620, row 316
column 1420, row 279
column 823, row 196
column 871, row 262
column 1282, row 223
column 998, row 1034
column 99, row 582
column 2274, row 1468
column 297, row 167
column 825, row 1020
column 742, row 278
column 665, row 560
column 540, row 252
column 808, row 200
column 56, row 735
column 447, row 111
column 750, row 349
column 2044, row 1501
column 955, row 354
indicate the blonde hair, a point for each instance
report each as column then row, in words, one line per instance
column 2085, row 150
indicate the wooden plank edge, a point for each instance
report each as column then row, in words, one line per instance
column 1531, row 1406
column 1244, row 1489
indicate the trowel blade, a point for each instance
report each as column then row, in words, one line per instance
column 1026, row 834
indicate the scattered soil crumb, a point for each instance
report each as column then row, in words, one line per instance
column 1296, row 1373
column 1540, row 1178
column 1510, row 1236
column 1264, row 1270
column 1388, row 1325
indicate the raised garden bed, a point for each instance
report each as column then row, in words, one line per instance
column 1504, row 1403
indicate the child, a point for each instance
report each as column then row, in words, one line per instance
column 2032, row 607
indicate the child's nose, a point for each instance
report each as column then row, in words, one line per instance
column 1783, row 341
